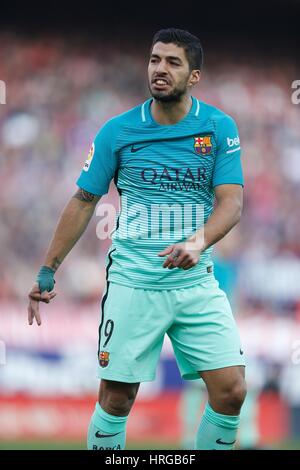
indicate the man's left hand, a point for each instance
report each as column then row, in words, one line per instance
column 180, row 255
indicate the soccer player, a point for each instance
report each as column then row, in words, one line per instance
column 170, row 158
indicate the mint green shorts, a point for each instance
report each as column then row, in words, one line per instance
column 198, row 321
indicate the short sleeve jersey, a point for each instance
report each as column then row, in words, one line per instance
column 165, row 175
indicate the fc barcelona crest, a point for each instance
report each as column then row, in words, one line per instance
column 203, row 145
column 104, row 358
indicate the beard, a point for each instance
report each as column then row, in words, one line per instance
column 172, row 96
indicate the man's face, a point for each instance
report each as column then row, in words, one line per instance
column 168, row 72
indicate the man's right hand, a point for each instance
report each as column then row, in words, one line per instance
column 35, row 296
column 72, row 223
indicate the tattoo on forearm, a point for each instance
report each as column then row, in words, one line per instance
column 55, row 263
column 85, row 196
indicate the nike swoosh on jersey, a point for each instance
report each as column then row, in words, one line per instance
column 136, row 149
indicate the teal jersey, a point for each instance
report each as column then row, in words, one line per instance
column 165, row 175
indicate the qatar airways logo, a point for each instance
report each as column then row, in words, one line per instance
column 175, row 179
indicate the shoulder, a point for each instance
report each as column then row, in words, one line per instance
column 219, row 118
column 131, row 117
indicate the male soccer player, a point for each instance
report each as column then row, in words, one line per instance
column 172, row 155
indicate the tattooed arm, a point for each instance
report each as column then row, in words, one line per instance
column 71, row 225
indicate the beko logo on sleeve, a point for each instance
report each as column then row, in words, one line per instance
column 235, row 142
column 89, row 159
column 231, row 142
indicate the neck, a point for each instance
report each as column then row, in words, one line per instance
column 170, row 113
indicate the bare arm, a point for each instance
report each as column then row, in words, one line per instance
column 71, row 225
column 225, row 216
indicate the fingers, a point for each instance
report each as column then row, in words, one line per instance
column 45, row 297
column 30, row 318
column 180, row 260
column 188, row 265
column 176, row 262
column 185, row 264
column 33, row 312
column 170, row 261
column 179, row 257
column 41, row 297
column 35, row 294
column 52, row 294
column 34, row 298
column 166, row 251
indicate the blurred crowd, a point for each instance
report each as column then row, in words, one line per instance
column 59, row 92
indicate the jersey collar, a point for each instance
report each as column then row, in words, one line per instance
column 146, row 115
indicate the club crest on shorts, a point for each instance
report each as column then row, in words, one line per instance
column 104, row 358
column 203, row 145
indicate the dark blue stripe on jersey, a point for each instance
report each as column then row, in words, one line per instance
column 120, row 194
column 104, row 298
column 116, row 176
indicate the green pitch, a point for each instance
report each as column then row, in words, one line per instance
column 65, row 445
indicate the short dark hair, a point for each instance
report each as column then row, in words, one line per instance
column 190, row 43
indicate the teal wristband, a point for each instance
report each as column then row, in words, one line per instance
column 45, row 279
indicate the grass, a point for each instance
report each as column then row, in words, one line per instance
column 66, row 445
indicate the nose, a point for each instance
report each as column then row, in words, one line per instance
column 161, row 67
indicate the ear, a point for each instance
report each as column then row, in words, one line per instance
column 194, row 77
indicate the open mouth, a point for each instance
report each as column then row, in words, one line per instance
column 160, row 83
